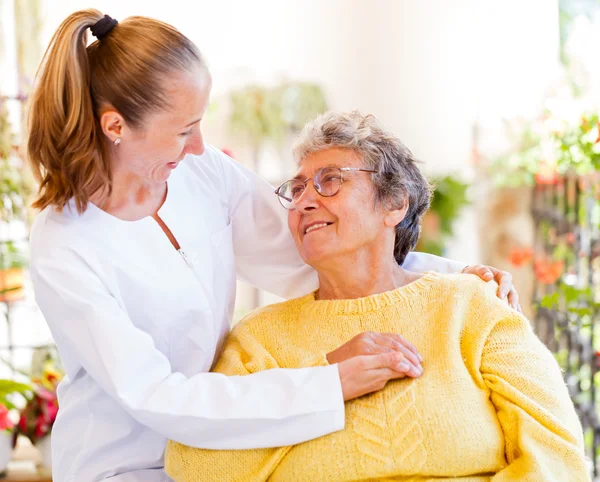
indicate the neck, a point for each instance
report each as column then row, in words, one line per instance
column 132, row 197
column 357, row 278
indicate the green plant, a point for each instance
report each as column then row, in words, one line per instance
column 13, row 184
column 255, row 115
column 12, row 256
column 548, row 148
column 300, row 102
column 9, row 390
column 449, row 198
column 261, row 114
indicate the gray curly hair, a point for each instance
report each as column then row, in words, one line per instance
column 398, row 179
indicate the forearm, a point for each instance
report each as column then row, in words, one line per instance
column 422, row 262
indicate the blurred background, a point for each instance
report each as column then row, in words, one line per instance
column 499, row 99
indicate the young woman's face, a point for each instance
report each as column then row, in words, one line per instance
column 154, row 150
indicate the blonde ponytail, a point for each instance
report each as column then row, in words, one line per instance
column 64, row 147
column 128, row 70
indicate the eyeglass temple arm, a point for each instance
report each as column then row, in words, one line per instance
column 356, row 169
column 279, row 194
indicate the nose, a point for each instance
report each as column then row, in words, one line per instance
column 308, row 200
column 195, row 142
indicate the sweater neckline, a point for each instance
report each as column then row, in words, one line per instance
column 371, row 302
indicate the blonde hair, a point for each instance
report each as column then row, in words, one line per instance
column 127, row 70
column 398, row 179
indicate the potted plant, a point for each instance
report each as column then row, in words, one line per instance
column 39, row 414
column 449, row 198
column 14, row 188
column 10, row 392
column 13, row 261
column 13, row 182
column 260, row 115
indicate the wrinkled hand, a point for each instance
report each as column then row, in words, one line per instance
column 371, row 343
column 506, row 290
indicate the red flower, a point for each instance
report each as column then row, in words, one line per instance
column 548, row 272
column 520, row 256
column 5, row 421
column 546, row 174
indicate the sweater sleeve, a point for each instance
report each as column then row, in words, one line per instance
column 543, row 435
column 243, row 354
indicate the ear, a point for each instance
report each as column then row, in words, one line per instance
column 112, row 124
column 395, row 216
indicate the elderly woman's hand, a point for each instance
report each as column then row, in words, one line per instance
column 506, row 290
column 371, row 343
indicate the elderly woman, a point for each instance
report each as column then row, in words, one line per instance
column 491, row 404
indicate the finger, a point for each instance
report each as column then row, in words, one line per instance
column 505, row 283
column 513, row 299
column 389, row 341
column 386, row 374
column 394, row 361
column 484, row 272
column 390, row 374
column 404, row 341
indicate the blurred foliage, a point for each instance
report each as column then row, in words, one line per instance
column 260, row 114
column 568, row 11
column 12, row 256
column 14, row 187
column 449, row 198
column 550, row 148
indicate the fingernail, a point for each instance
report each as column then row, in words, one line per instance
column 420, row 357
column 403, row 366
column 503, row 295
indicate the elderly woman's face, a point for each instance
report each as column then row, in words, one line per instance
column 345, row 224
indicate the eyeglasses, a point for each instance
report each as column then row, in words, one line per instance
column 327, row 182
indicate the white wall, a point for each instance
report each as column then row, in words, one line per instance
column 428, row 69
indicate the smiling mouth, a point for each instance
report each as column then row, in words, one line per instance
column 315, row 227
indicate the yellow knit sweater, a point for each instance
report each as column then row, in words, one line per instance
column 490, row 406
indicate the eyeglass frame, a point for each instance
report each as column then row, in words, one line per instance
column 305, row 182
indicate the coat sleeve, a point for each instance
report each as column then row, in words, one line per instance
column 273, row 408
column 422, row 262
column 243, row 355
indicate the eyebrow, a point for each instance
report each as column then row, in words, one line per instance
column 193, row 122
column 302, row 177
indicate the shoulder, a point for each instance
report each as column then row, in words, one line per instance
column 214, row 173
column 211, row 161
column 483, row 315
column 472, row 298
column 465, row 286
column 55, row 234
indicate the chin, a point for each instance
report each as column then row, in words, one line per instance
column 163, row 176
column 313, row 256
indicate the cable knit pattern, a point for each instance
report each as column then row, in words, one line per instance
column 490, row 407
